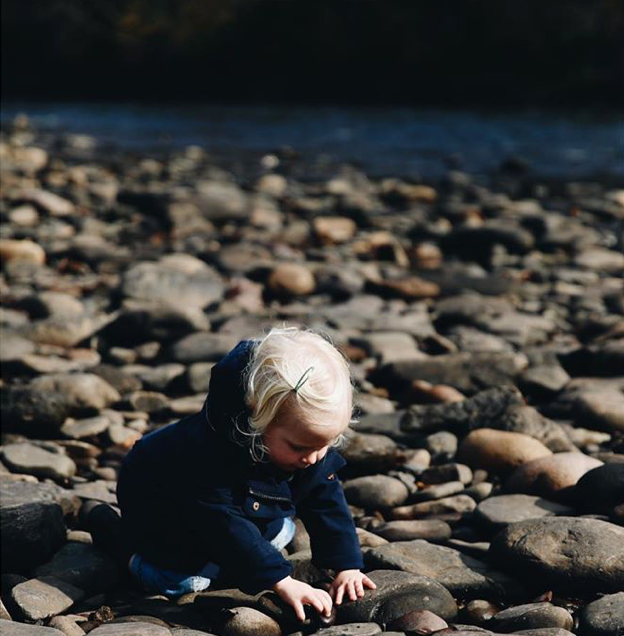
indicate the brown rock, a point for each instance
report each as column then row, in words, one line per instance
column 499, row 451
column 291, row 279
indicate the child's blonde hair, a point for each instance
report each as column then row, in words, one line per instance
column 299, row 370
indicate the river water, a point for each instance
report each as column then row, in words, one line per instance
column 390, row 140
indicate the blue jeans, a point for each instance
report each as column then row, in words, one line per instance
column 173, row 584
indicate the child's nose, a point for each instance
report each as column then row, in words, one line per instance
column 311, row 458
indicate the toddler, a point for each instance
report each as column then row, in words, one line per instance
column 212, row 495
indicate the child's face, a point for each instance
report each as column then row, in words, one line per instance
column 293, row 445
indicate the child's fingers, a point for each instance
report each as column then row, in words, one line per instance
column 359, row 589
column 339, row 594
column 352, row 593
column 366, row 581
column 299, row 611
column 326, row 600
column 316, row 603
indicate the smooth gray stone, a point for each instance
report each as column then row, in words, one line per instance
column 576, row 555
column 603, row 617
column 437, row 492
column 33, row 460
column 44, row 597
column 33, row 525
column 202, row 347
column 81, row 390
column 14, row 347
column 154, row 281
column 408, row 530
column 350, row 629
column 13, row 628
column 497, row 512
column 77, row 429
column 375, row 491
column 397, row 594
column 464, row 576
column 83, row 566
column 531, row 616
column 130, row 629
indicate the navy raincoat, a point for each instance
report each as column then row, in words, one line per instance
column 190, row 495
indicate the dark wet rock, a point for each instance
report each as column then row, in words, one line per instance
column 531, row 616
column 446, row 472
column 408, row 530
column 32, row 524
column 466, row 372
column 468, row 241
column 603, row 617
column 499, row 451
column 44, row 597
column 464, row 576
column 495, row 513
column 198, row 287
column 12, row 628
column 486, row 408
column 397, row 594
column 141, row 319
column 375, row 491
column 602, row 360
column 202, row 347
column 574, row 554
column 552, row 477
column 39, row 413
column 83, row 566
column 600, row 489
column 33, row 460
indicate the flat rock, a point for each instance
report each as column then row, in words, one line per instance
column 375, row 491
column 138, row 628
column 397, row 594
column 455, row 505
column 604, row 617
column 531, row 616
column 499, row 451
column 408, row 530
column 33, row 460
column 495, row 513
column 552, row 477
column 83, row 566
column 44, row 597
column 464, row 576
column 12, row 628
column 32, row 521
column 466, row 372
column 350, row 629
column 246, row 621
column 574, row 554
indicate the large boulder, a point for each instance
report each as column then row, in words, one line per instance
column 577, row 555
column 33, row 526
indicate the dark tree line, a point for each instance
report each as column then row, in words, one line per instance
column 424, row 52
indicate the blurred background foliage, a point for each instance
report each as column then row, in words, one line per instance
column 421, row 52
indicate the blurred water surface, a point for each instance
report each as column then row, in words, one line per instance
column 382, row 141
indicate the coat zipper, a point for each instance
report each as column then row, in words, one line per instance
column 272, row 497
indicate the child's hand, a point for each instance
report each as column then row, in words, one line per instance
column 298, row 594
column 351, row 582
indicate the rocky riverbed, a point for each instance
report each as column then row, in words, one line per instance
column 484, row 322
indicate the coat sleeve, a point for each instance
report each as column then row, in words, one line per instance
column 326, row 516
column 242, row 550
